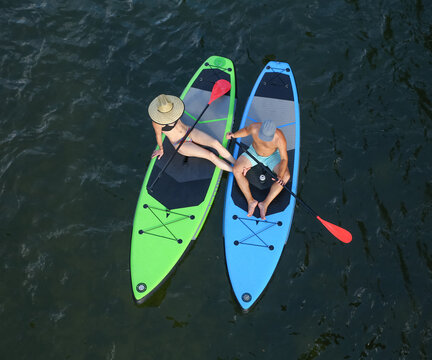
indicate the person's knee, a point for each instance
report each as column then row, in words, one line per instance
column 238, row 169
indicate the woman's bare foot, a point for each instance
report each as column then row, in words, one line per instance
column 251, row 207
column 263, row 210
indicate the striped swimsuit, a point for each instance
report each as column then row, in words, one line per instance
column 188, row 139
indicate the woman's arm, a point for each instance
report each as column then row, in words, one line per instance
column 158, row 132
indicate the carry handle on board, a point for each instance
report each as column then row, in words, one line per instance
column 220, row 88
column 340, row 233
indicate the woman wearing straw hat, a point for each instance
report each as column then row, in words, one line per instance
column 165, row 112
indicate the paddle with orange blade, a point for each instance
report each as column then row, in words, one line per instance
column 340, row 233
column 220, row 88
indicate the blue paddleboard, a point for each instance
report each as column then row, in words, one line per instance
column 253, row 246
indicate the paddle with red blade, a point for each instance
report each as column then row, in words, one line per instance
column 220, row 88
column 340, row 233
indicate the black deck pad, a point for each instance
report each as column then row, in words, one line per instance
column 185, row 181
column 276, row 86
column 208, row 77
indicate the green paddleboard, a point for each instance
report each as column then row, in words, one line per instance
column 168, row 218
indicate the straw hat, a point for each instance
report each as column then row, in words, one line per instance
column 166, row 109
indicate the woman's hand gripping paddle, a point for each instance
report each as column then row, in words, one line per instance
column 340, row 233
column 220, row 88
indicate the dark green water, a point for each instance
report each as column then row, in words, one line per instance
column 76, row 78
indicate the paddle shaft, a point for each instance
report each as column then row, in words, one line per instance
column 150, row 188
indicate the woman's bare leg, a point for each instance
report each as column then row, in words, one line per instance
column 202, row 138
column 194, row 150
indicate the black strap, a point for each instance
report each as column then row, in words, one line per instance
column 255, row 233
column 164, row 224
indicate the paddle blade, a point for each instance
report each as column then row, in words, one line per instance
column 340, row 233
column 220, row 88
